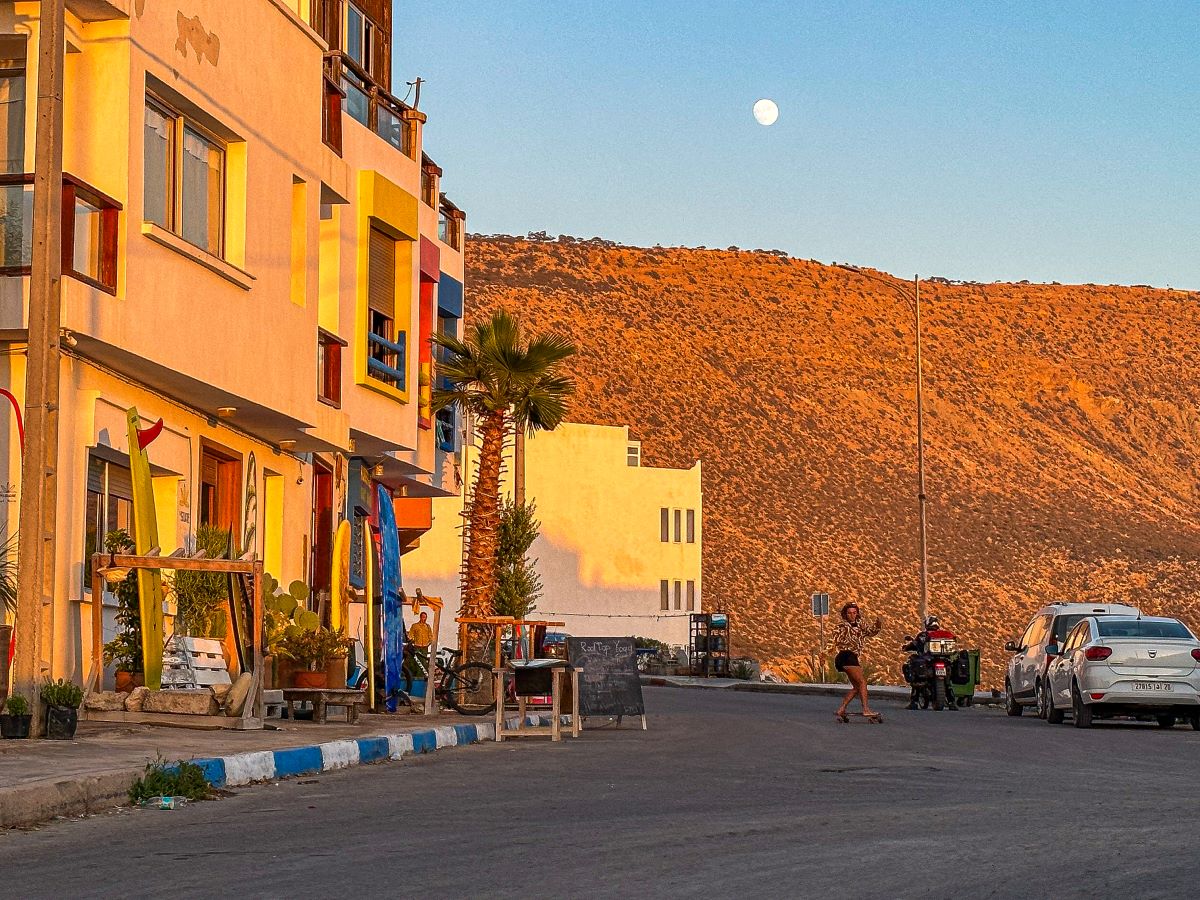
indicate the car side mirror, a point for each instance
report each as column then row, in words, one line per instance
column 1053, row 650
column 1011, row 647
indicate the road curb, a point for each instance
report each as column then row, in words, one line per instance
column 89, row 794
column 899, row 692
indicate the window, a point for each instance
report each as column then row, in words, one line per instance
column 360, row 37
column 1062, row 624
column 109, row 507
column 1038, row 631
column 691, row 596
column 220, row 488
column 691, row 526
column 678, row 526
column 1142, row 628
column 633, row 455
column 678, row 595
column 664, row 526
column 386, row 351
column 329, row 368
column 184, row 178
column 450, row 227
column 430, row 173
column 12, row 100
column 664, row 594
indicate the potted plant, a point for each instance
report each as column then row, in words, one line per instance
column 283, row 612
column 14, row 723
column 202, row 598
column 62, row 699
column 312, row 651
column 125, row 650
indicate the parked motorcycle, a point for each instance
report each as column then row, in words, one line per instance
column 931, row 668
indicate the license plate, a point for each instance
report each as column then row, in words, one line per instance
column 1153, row 686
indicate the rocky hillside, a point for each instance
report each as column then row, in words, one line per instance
column 1061, row 430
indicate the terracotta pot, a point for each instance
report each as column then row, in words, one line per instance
column 283, row 671
column 127, row 681
column 336, row 672
column 302, row 678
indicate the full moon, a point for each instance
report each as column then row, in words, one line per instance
column 766, row 112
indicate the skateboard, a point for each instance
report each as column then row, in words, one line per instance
column 873, row 718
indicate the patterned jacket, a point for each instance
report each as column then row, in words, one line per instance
column 848, row 636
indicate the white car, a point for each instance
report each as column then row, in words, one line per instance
column 1125, row 666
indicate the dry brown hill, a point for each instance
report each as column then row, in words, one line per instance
column 1061, row 431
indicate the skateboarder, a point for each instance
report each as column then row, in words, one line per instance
column 849, row 636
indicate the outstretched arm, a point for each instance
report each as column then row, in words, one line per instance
column 874, row 628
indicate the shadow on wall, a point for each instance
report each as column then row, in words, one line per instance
column 587, row 609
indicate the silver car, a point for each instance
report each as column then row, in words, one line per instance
column 1126, row 666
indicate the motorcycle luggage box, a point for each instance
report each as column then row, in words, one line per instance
column 921, row 668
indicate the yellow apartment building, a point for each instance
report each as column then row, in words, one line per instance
column 256, row 251
column 619, row 550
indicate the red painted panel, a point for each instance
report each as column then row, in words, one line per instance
column 431, row 258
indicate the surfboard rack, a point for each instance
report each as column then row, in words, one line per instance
column 249, row 565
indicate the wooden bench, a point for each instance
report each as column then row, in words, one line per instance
column 322, row 698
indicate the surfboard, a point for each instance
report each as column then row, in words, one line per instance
column 369, row 614
column 393, row 606
column 250, row 535
column 339, row 609
column 145, row 539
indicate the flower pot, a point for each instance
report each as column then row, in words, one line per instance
column 127, row 681
column 302, row 678
column 14, row 726
column 61, row 722
column 336, row 673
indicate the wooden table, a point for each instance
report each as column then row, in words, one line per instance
column 557, row 668
column 322, row 698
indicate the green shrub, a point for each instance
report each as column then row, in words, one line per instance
column 185, row 779
column 17, row 705
column 62, row 693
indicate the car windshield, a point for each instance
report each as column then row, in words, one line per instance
column 1141, row 628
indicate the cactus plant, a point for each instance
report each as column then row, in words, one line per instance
column 285, row 614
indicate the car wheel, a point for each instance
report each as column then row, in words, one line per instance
column 1165, row 721
column 1195, row 720
column 1054, row 715
column 1081, row 712
column 1011, row 706
column 1039, row 692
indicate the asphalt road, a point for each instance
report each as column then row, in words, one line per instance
column 727, row 794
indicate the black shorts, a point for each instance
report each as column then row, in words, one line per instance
column 846, row 658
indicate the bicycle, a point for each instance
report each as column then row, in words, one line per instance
column 465, row 688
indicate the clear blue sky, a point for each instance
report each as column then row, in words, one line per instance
column 1051, row 141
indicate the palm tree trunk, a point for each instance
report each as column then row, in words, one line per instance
column 483, row 523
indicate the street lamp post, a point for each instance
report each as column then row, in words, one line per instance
column 914, row 302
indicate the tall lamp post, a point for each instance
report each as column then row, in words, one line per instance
column 914, row 304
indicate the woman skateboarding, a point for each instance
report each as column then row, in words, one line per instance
column 849, row 636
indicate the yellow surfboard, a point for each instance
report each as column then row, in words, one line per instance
column 145, row 539
column 369, row 621
column 339, row 609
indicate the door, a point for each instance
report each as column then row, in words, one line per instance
column 322, row 529
column 1028, row 658
column 220, row 488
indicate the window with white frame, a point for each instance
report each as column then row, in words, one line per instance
column 633, row 455
column 184, row 178
column 360, row 37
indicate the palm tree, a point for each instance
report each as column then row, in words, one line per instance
column 506, row 383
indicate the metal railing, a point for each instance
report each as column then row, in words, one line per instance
column 387, row 360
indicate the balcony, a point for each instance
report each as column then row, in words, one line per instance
column 350, row 90
column 387, row 360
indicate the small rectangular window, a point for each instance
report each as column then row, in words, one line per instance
column 12, row 99
column 678, row 526
column 678, row 595
column 691, row 596
column 691, row 526
column 158, row 158
column 329, row 362
column 664, row 527
column 90, row 226
column 664, row 594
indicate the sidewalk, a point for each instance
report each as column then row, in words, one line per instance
column 43, row 779
column 894, row 692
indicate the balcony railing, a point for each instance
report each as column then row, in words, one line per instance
column 369, row 104
column 387, row 360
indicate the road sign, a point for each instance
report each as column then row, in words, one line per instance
column 820, row 605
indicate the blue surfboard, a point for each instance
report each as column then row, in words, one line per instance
column 393, row 610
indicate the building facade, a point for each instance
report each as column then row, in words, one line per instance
column 256, row 251
column 619, row 551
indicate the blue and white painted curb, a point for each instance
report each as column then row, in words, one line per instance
column 268, row 765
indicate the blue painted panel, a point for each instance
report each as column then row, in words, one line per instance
column 297, row 761
column 371, row 749
column 214, row 770
column 424, row 741
column 450, row 296
column 467, row 734
column 393, row 609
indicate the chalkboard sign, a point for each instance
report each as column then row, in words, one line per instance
column 609, row 685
